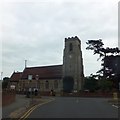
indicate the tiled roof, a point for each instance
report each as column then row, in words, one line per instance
column 16, row 76
column 44, row 72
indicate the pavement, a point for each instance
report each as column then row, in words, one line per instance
column 20, row 106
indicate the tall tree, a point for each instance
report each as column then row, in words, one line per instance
column 106, row 54
column 96, row 46
column 5, row 82
column 91, row 83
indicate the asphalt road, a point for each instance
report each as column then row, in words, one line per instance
column 72, row 107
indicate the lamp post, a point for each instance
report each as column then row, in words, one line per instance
column 30, row 88
column 37, row 78
column 31, row 92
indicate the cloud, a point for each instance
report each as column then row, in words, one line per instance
column 36, row 30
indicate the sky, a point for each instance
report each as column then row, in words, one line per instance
column 35, row 30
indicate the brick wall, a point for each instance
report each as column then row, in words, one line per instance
column 8, row 97
column 44, row 93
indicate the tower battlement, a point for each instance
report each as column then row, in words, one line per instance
column 72, row 38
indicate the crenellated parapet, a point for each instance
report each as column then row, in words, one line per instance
column 72, row 38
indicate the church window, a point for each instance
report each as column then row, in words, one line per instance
column 47, row 85
column 55, row 84
column 70, row 47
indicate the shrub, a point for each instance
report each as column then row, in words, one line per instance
column 68, row 83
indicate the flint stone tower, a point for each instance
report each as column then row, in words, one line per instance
column 73, row 61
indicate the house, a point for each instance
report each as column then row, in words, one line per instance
column 14, row 80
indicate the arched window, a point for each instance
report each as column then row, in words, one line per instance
column 47, row 84
column 70, row 47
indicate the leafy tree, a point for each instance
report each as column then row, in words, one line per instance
column 91, row 83
column 96, row 46
column 105, row 85
column 109, row 59
column 5, row 82
column 104, row 53
column 68, row 83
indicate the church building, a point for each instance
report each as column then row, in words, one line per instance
column 46, row 78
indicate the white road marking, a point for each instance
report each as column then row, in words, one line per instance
column 115, row 106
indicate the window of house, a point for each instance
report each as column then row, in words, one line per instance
column 70, row 47
column 55, row 84
column 47, row 85
column 29, row 77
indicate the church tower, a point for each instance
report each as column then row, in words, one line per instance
column 73, row 62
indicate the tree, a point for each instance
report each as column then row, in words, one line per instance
column 105, row 53
column 96, row 46
column 68, row 83
column 5, row 82
column 105, row 85
column 91, row 83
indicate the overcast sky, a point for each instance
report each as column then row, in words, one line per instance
column 35, row 31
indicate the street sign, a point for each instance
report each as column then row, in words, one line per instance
column 12, row 87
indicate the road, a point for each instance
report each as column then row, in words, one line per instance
column 72, row 107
